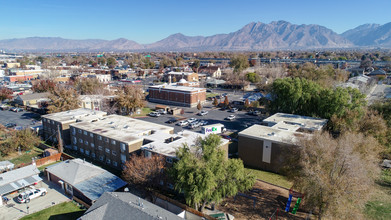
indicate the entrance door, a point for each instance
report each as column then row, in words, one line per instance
column 69, row 189
column 267, row 151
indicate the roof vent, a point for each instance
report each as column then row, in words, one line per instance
column 272, row 134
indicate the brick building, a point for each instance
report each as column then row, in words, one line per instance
column 177, row 95
column 266, row 146
column 51, row 122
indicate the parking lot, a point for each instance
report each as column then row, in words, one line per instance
column 23, row 118
column 215, row 115
column 15, row 210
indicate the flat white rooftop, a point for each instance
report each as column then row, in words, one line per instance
column 123, row 129
column 272, row 134
column 168, row 144
column 290, row 122
column 82, row 114
column 178, row 88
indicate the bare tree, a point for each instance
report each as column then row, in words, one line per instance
column 63, row 99
column 129, row 98
column 144, row 171
column 336, row 175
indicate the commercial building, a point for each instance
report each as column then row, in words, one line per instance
column 61, row 120
column 83, row 180
column 266, row 146
column 176, row 76
column 177, row 95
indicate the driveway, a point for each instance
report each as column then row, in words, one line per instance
column 15, row 210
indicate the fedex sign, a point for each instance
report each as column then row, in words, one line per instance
column 212, row 130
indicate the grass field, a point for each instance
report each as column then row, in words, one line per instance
column 272, row 178
column 144, row 112
column 211, row 95
column 379, row 207
column 62, row 211
column 25, row 157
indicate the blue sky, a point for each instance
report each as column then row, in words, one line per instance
column 150, row 21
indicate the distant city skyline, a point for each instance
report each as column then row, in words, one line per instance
column 150, row 21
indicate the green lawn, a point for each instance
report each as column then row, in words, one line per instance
column 211, row 95
column 144, row 112
column 62, row 211
column 25, row 157
column 380, row 206
column 272, row 178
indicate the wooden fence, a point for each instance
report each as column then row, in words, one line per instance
column 52, row 159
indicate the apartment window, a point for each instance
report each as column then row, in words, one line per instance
column 169, row 160
column 99, row 137
column 92, row 145
column 112, row 141
column 161, row 182
column 107, row 140
column 101, row 158
column 107, row 150
column 80, row 140
column 91, row 135
column 93, row 155
column 55, row 139
column 100, row 147
column 115, row 163
column 114, row 152
column 79, row 131
column 123, row 158
column 170, row 186
column 74, row 147
column 53, row 131
column 123, row 147
column 52, row 122
column 81, row 150
column 73, row 131
column 74, row 140
column 85, row 133
column 108, row 161
column 87, row 152
column 44, row 119
column 86, row 142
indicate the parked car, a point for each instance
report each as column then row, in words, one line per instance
column 10, row 125
column 203, row 112
column 230, row 117
column 195, row 124
column 33, row 193
column 172, row 120
column 18, row 110
column 233, row 110
column 13, row 109
column 4, row 107
column 183, row 123
column 253, row 113
column 203, row 122
column 208, row 90
column 224, row 94
column 226, row 136
column 154, row 114
column 161, row 111
column 191, row 120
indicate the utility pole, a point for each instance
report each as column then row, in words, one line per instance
column 60, row 144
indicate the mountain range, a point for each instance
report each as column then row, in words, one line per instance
column 277, row 35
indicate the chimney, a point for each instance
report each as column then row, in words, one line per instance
column 169, row 79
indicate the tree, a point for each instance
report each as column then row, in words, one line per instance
column 205, row 176
column 196, row 64
column 5, row 93
column 215, row 102
column 304, row 97
column 23, row 140
column 255, row 104
column 63, row 99
column 253, row 77
column 239, row 63
column 199, row 106
column 144, row 171
column 226, row 102
column 247, row 104
column 44, row 86
column 336, row 175
column 129, row 98
column 111, row 62
column 88, row 86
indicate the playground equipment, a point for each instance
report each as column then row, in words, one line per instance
column 297, row 195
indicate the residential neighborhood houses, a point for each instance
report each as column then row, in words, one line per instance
column 99, row 113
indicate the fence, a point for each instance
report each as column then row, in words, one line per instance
column 52, row 159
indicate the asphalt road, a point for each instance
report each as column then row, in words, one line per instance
column 23, row 119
